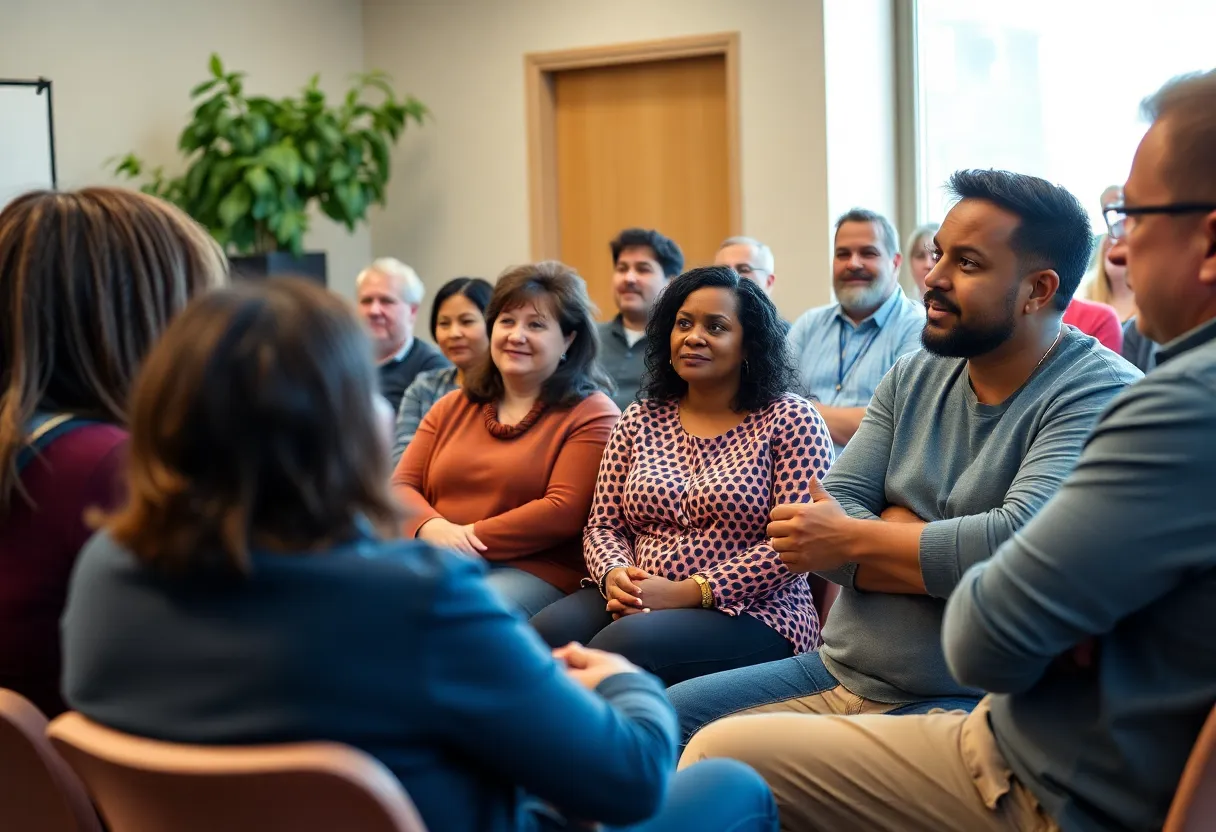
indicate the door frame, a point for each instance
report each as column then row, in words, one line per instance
column 539, row 69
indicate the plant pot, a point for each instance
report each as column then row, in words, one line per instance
column 310, row 265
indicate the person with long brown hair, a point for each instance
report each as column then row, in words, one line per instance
column 252, row 590
column 505, row 468
column 88, row 281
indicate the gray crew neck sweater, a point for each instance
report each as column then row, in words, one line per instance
column 976, row 472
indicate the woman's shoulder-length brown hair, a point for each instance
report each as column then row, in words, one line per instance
column 89, row 280
column 559, row 287
column 253, row 425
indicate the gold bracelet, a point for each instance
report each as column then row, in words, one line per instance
column 707, row 595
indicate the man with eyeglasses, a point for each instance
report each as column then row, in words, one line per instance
column 1092, row 627
column 752, row 260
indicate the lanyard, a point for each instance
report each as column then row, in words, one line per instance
column 843, row 373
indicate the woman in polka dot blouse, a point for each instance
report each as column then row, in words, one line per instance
column 686, row 581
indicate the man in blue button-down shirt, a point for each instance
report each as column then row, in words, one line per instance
column 845, row 348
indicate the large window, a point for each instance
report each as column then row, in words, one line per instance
column 1046, row 87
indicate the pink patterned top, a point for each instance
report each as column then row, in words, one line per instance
column 676, row 504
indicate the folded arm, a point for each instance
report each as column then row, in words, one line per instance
column 858, row 478
column 1132, row 523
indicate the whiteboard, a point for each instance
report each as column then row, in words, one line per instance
column 27, row 147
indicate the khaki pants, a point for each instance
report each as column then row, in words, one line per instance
column 939, row 771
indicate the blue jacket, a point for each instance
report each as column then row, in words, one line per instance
column 395, row 648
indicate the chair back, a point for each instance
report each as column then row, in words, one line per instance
column 1194, row 805
column 37, row 788
column 143, row 785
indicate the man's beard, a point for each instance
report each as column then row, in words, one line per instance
column 967, row 340
column 866, row 298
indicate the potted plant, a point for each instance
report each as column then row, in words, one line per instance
column 256, row 165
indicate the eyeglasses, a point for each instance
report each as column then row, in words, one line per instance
column 1118, row 217
column 744, row 270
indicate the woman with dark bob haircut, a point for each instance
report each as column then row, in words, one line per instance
column 686, row 579
column 504, row 468
column 458, row 325
column 251, row 591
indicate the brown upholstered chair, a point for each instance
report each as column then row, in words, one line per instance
column 142, row 785
column 37, row 788
column 1194, row 806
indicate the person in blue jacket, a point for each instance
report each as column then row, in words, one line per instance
column 250, row 592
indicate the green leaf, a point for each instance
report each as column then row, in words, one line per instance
column 263, row 207
column 217, row 68
column 195, row 179
column 339, row 171
column 379, row 151
column 312, row 151
column 129, row 166
column 380, row 81
column 206, row 86
column 235, row 205
column 259, row 181
column 284, row 160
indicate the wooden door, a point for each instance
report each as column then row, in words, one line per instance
column 641, row 144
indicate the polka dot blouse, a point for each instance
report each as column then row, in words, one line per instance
column 676, row 504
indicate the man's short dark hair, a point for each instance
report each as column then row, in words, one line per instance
column 890, row 237
column 666, row 252
column 1054, row 232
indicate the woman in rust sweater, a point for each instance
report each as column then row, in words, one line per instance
column 506, row 467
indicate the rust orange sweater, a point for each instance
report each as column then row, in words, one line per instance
column 527, row 495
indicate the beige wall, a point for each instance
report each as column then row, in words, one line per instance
column 859, row 61
column 458, row 203
column 122, row 70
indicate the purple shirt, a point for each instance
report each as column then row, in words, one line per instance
column 38, row 547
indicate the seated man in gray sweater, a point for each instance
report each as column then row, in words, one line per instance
column 1093, row 625
column 962, row 443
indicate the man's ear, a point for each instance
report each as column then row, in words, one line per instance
column 1207, row 267
column 1043, row 287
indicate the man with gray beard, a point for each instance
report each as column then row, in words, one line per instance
column 845, row 348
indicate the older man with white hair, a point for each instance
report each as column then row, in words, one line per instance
column 389, row 294
column 751, row 259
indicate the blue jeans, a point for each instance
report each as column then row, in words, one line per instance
column 699, row 702
column 672, row 644
column 711, row 796
column 521, row 589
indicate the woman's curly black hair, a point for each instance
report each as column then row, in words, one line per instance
column 768, row 371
